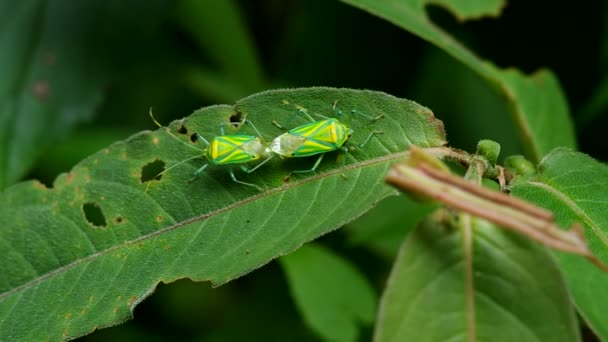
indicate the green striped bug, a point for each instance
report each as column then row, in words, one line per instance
column 228, row 149
column 315, row 138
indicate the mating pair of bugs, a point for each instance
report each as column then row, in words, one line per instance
column 314, row 138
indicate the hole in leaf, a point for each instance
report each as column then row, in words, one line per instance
column 182, row 129
column 152, row 171
column 236, row 119
column 194, row 137
column 93, row 214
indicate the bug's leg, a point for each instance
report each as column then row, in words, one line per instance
column 302, row 111
column 231, row 172
column 248, row 170
column 345, row 150
column 371, row 118
column 369, row 137
column 198, row 172
column 201, row 138
column 314, row 167
column 254, row 128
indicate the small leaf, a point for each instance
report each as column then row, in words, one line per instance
column 537, row 102
column 575, row 187
column 65, row 274
column 491, row 285
column 331, row 294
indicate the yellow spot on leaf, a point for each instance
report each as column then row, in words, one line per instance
column 155, row 141
column 159, row 218
column 285, row 102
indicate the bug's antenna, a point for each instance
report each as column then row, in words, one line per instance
column 154, row 119
column 173, row 135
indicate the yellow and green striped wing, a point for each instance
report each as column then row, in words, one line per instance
column 227, row 149
column 321, row 137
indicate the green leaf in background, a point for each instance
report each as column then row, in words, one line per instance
column 575, row 187
column 82, row 254
column 331, row 294
column 470, row 121
column 220, row 30
column 56, row 61
column 46, row 83
column 516, row 293
column 537, row 101
column 384, row 228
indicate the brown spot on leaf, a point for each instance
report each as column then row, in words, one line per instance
column 166, row 247
column 84, row 312
column 39, row 185
column 68, row 316
column 40, row 90
column 159, row 218
column 131, row 300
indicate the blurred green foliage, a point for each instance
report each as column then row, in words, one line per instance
column 183, row 55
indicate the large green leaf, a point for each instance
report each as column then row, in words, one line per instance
column 575, row 187
column 81, row 255
column 491, row 285
column 331, row 294
column 537, row 101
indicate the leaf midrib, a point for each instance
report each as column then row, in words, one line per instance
column 337, row 171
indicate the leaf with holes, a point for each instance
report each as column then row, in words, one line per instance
column 83, row 254
column 537, row 102
column 493, row 285
column 575, row 187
